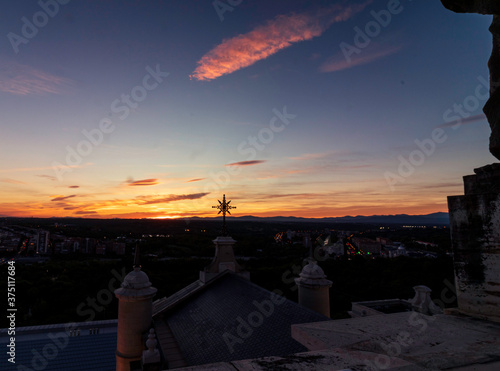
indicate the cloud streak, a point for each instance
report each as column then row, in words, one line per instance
column 50, row 177
column 11, row 181
column 339, row 62
column 84, row 212
column 246, row 163
column 464, row 121
column 62, row 198
column 246, row 49
column 143, row 182
column 19, row 79
column 170, row 198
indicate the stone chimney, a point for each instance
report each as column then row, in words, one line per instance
column 224, row 260
column 134, row 316
column 314, row 288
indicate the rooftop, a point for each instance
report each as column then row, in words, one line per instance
column 407, row 341
column 232, row 319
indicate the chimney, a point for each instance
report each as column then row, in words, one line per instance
column 134, row 316
column 314, row 288
column 224, row 260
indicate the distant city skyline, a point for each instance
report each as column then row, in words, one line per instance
column 291, row 108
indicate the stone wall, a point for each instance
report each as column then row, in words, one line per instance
column 475, row 233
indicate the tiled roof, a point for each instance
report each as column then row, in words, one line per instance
column 223, row 322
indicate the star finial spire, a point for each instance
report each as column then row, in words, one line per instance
column 224, row 208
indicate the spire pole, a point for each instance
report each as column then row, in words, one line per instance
column 137, row 260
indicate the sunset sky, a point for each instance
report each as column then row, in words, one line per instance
column 147, row 109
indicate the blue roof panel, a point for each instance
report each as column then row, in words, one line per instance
column 76, row 353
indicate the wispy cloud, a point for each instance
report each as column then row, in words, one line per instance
column 464, row 121
column 246, row 49
column 11, row 181
column 195, row 180
column 62, row 198
column 50, row 177
column 339, row 62
column 19, row 79
column 312, row 156
column 353, row 167
column 74, row 186
column 146, row 200
column 247, row 163
column 143, row 182
column 85, row 212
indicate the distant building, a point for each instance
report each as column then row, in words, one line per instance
column 337, row 249
column 43, row 242
column 366, row 245
column 393, row 251
column 103, row 248
column 384, row 241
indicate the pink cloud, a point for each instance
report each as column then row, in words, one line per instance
column 244, row 50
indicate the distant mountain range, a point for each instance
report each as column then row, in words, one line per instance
column 435, row 218
column 405, row 219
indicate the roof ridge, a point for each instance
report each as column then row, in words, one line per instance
column 165, row 303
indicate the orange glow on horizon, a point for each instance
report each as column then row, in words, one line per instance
column 176, row 214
